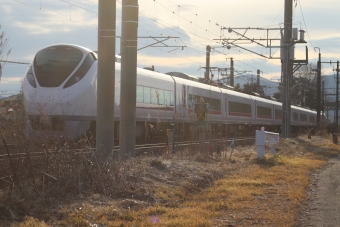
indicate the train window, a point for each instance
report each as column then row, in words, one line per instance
column 139, row 94
column 215, row 104
column 30, row 77
column 154, row 96
column 191, row 101
column 278, row 114
column 82, row 70
column 167, row 97
column 160, row 97
column 303, row 117
column 295, row 116
column 239, row 109
column 147, row 97
column 53, row 65
column 172, row 99
column 264, row 112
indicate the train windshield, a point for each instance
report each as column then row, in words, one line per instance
column 53, row 65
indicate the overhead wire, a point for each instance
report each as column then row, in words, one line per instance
column 305, row 25
column 161, row 22
column 57, row 14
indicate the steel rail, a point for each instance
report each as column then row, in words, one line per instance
column 140, row 147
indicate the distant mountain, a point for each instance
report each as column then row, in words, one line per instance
column 330, row 83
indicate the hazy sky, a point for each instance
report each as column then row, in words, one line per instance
column 33, row 24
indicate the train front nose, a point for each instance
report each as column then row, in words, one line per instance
column 56, row 95
column 58, row 116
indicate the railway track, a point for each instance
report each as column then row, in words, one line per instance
column 10, row 151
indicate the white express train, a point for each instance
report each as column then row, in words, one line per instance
column 60, row 87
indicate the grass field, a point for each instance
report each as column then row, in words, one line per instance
column 191, row 189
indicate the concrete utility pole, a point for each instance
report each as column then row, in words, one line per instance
column 232, row 72
column 258, row 81
column 106, row 78
column 207, row 64
column 127, row 128
column 318, row 89
column 337, row 96
column 323, row 100
column 287, row 68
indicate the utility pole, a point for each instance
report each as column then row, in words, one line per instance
column 318, row 90
column 258, row 81
column 337, row 96
column 232, row 72
column 323, row 100
column 106, row 78
column 127, row 129
column 207, row 64
column 287, row 68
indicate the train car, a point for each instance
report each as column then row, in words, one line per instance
column 59, row 91
column 60, row 96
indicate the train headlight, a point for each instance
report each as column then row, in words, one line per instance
column 31, row 80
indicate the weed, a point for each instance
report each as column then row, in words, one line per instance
column 187, row 190
column 256, row 194
column 31, row 222
column 158, row 210
column 78, row 218
column 128, row 216
column 218, row 206
column 272, row 160
column 157, row 164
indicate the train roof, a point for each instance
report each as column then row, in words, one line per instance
column 70, row 45
column 155, row 74
column 183, row 75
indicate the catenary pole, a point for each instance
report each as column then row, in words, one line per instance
column 106, row 77
column 232, row 72
column 127, row 128
column 207, row 64
column 323, row 102
column 258, row 81
column 287, row 68
column 318, row 91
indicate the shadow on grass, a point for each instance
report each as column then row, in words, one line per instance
column 326, row 154
column 270, row 161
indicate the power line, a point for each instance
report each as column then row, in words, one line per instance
column 57, row 14
column 15, row 62
column 79, row 7
column 271, row 24
column 305, row 25
column 161, row 22
column 90, row 1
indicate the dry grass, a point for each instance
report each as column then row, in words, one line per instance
column 183, row 189
column 258, row 195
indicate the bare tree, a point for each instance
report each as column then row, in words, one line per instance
column 4, row 50
column 303, row 87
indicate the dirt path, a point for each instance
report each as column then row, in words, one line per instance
column 322, row 208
